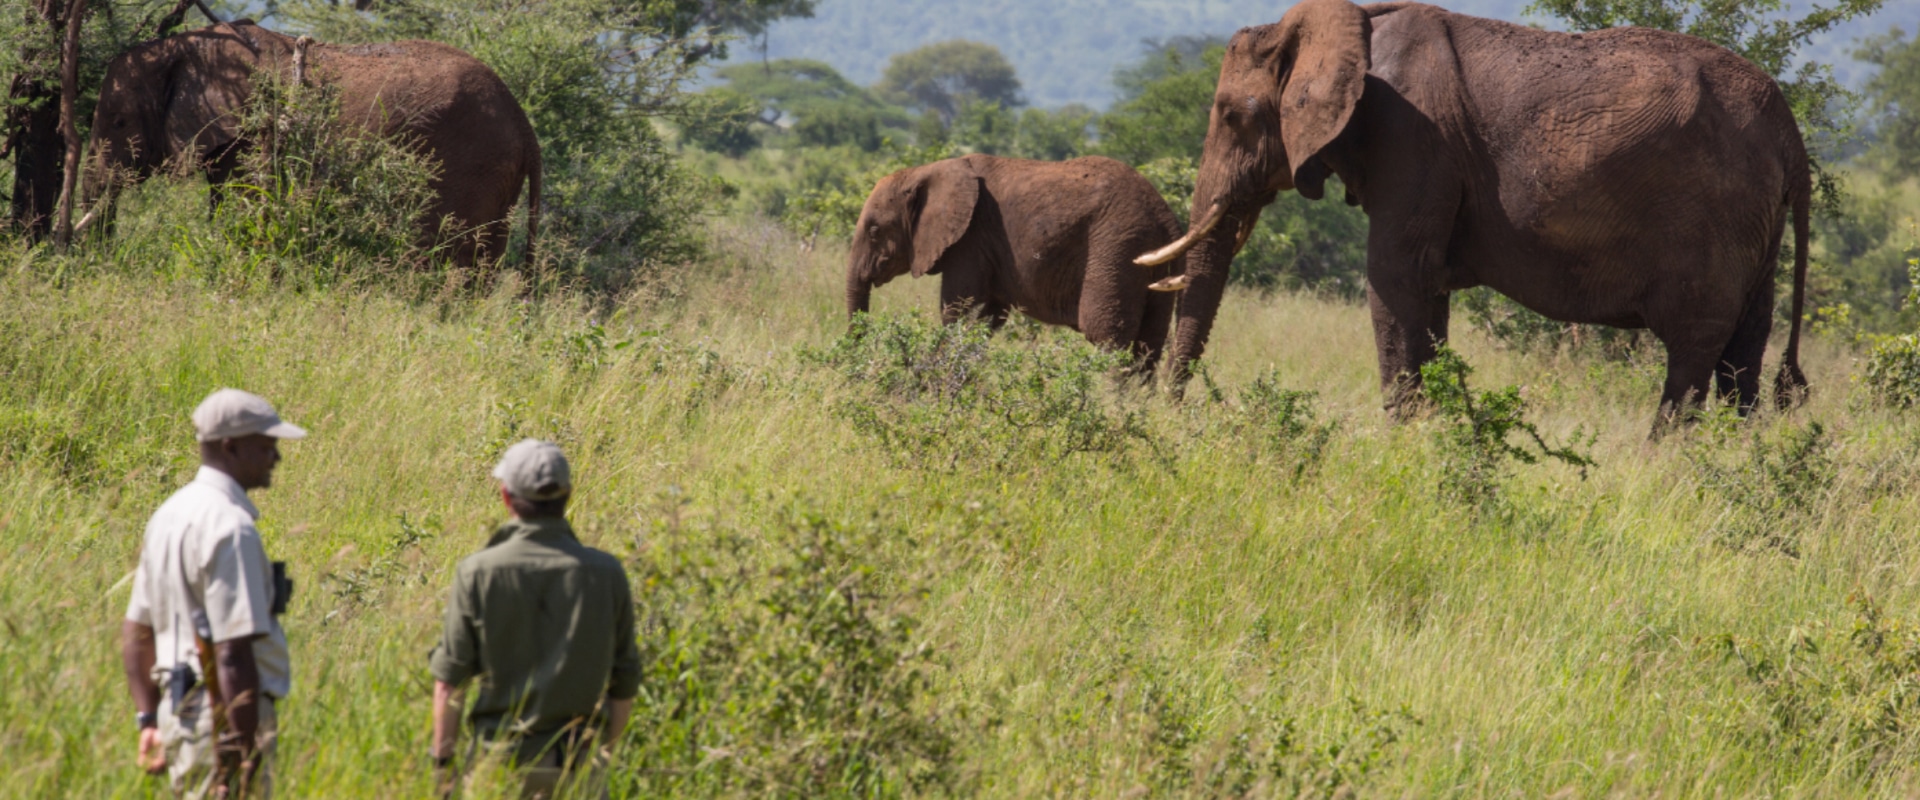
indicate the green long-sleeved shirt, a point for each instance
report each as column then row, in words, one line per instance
column 547, row 624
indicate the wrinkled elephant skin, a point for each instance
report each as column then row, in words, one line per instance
column 1052, row 239
column 1627, row 177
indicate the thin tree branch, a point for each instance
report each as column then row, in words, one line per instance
column 69, row 92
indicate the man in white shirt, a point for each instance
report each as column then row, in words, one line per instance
column 202, row 646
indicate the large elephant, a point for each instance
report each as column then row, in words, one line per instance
column 1627, row 177
column 178, row 100
column 1052, row 239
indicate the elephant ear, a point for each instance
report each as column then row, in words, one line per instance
column 1324, row 55
column 208, row 79
column 945, row 194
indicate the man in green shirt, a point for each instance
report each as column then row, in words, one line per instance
column 547, row 624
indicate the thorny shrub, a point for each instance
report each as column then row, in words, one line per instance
column 1850, row 692
column 783, row 662
column 1476, row 441
column 1893, row 368
column 938, row 396
column 1771, row 486
column 1281, row 427
column 1262, row 755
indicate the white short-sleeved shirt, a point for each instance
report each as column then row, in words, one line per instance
column 203, row 568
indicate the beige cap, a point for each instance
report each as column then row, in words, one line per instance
column 231, row 414
column 535, row 470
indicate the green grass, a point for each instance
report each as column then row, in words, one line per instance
column 1122, row 624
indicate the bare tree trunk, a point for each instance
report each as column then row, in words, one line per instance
column 36, row 157
column 69, row 134
column 34, row 131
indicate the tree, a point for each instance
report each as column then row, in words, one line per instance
column 1164, row 101
column 1755, row 30
column 944, row 76
column 823, row 108
column 34, row 32
column 1893, row 97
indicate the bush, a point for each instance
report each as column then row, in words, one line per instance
column 1851, row 694
column 1475, row 440
column 780, row 663
column 937, row 396
column 319, row 198
column 1771, row 489
column 834, row 186
column 1893, row 370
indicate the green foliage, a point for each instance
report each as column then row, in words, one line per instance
column 319, row 198
column 1476, row 437
column 1893, row 99
column 835, row 184
column 1755, row 30
column 1772, row 486
column 945, row 76
column 823, row 108
column 1850, row 692
column 946, row 396
column 1893, row 370
column 1283, row 425
column 988, row 127
column 1163, row 107
column 723, row 123
column 783, row 662
column 1517, row 327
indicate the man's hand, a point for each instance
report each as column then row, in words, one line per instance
column 153, row 751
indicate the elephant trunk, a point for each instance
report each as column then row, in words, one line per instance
column 859, row 292
column 1208, row 262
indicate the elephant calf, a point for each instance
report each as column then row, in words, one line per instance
column 1053, row 239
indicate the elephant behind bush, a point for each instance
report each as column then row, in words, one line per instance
column 177, row 102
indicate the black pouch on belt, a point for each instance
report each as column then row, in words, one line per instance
column 180, row 681
column 282, row 589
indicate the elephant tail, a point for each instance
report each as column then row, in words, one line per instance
column 534, row 166
column 1790, row 386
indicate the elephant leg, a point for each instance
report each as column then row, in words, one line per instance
column 1409, row 326
column 963, row 294
column 1737, row 375
column 997, row 313
column 1151, row 340
column 1690, row 371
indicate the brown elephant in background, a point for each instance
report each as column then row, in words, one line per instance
column 178, row 100
column 1052, row 239
column 1627, row 177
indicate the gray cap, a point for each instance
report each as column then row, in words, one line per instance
column 231, row 414
column 535, row 470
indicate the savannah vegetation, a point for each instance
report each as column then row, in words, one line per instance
column 891, row 558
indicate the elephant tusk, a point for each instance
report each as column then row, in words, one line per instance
column 1173, row 284
column 85, row 219
column 1246, row 231
column 1184, row 243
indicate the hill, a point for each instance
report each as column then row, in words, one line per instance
column 1066, row 50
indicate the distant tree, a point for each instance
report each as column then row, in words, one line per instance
column 823, row 108
column 1893, row 97
column 1756, row 30
column 944, row 76
column 1164, row 101
column 1054, row 135
column 984, row 126
column 703, row 26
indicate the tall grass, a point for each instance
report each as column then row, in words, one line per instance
column 1274, row 598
